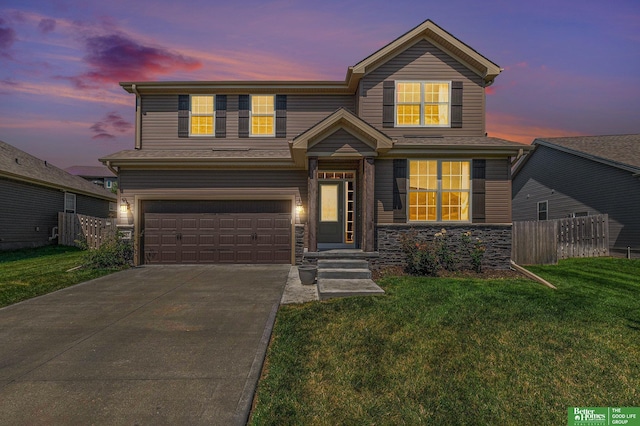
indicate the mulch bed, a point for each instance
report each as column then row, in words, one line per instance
column 486, row 274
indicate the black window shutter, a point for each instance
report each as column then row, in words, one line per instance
column 388, row 95
column 243, row 116
column 281, row 116
column 183, row 116
column 479, row 193
column 221, row 116
column 456, row 104
column 399, row 191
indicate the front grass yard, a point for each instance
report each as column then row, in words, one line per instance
column 32, row 272
column 454, row 351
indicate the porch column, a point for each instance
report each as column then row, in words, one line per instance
column 312, row 204
column 368, row 201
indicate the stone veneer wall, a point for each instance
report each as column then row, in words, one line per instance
column 299, row 247
column 497, row 239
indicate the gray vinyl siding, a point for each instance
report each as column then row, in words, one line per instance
column 424, row 61
column 341, row 142
column 498, row 191
column 25, row 208
column 574, row 184
column 384, row 191
column 92, row 206
column 160, row 122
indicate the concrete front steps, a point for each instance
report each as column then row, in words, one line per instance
column 344, row 276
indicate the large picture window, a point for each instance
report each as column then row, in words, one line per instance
column 201, row 115
column 423, row 103
column 263, row 115
column 439, row 190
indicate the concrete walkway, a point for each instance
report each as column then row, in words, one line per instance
column 151, row 345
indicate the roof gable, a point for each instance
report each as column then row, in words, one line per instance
column 440, row 38
column 18, row 165
column 339, row 120
column 428, row 30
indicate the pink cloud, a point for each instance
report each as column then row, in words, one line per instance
column 114, row 58
column 112, row 121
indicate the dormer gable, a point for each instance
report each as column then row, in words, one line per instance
column 367, row 141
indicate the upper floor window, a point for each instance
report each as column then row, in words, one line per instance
column 201, row 115
column 263, row 115
column 69, row 202
column 423, row 103
column 439, row 190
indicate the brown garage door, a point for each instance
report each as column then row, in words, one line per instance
column 217, row 238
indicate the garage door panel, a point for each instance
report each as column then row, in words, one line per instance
column 208, row 224
column 227, row 224
column 217, row 238
column 207, row 256
column 207, row 240
column 282, row 240
column 245, row 223
column 282, row 256
column 282, row 223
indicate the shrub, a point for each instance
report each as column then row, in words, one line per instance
column 427, row 257
column 113, row 253
column 475, row 250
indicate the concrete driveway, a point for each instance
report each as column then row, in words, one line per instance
column 152, row 345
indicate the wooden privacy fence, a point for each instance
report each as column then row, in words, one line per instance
column 73, row 228
column 544, row 242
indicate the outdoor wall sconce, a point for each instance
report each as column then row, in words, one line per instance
column 299, row 208
column 124, row 206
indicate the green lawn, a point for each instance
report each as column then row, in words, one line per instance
column 32, row 272
column 453, row 351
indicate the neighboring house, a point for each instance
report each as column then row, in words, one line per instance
column 258, row 171
column 579, row 176
column 32, row 192
column 98, row 175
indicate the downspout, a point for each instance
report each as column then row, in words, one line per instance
column 134, row 89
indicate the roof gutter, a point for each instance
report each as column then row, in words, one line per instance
column 110, row 167
column 134, row 89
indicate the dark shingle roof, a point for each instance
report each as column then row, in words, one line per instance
column 471, row 141
column 616, row 150
column 198, row 154
column 17, row 164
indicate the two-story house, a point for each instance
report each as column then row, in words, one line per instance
column 260, row 171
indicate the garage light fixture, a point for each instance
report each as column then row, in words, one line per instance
column 299, row 208
column 124, row 206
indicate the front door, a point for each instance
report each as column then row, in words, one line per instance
column 331, row 205
column 336, row 205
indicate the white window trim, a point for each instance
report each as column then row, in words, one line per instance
column 262, row 115
column 213, row 117
column 440, row 191
column 538, row 210
column 70, row 194
column 422, row 124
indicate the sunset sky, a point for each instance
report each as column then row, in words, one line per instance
column 570, row 67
